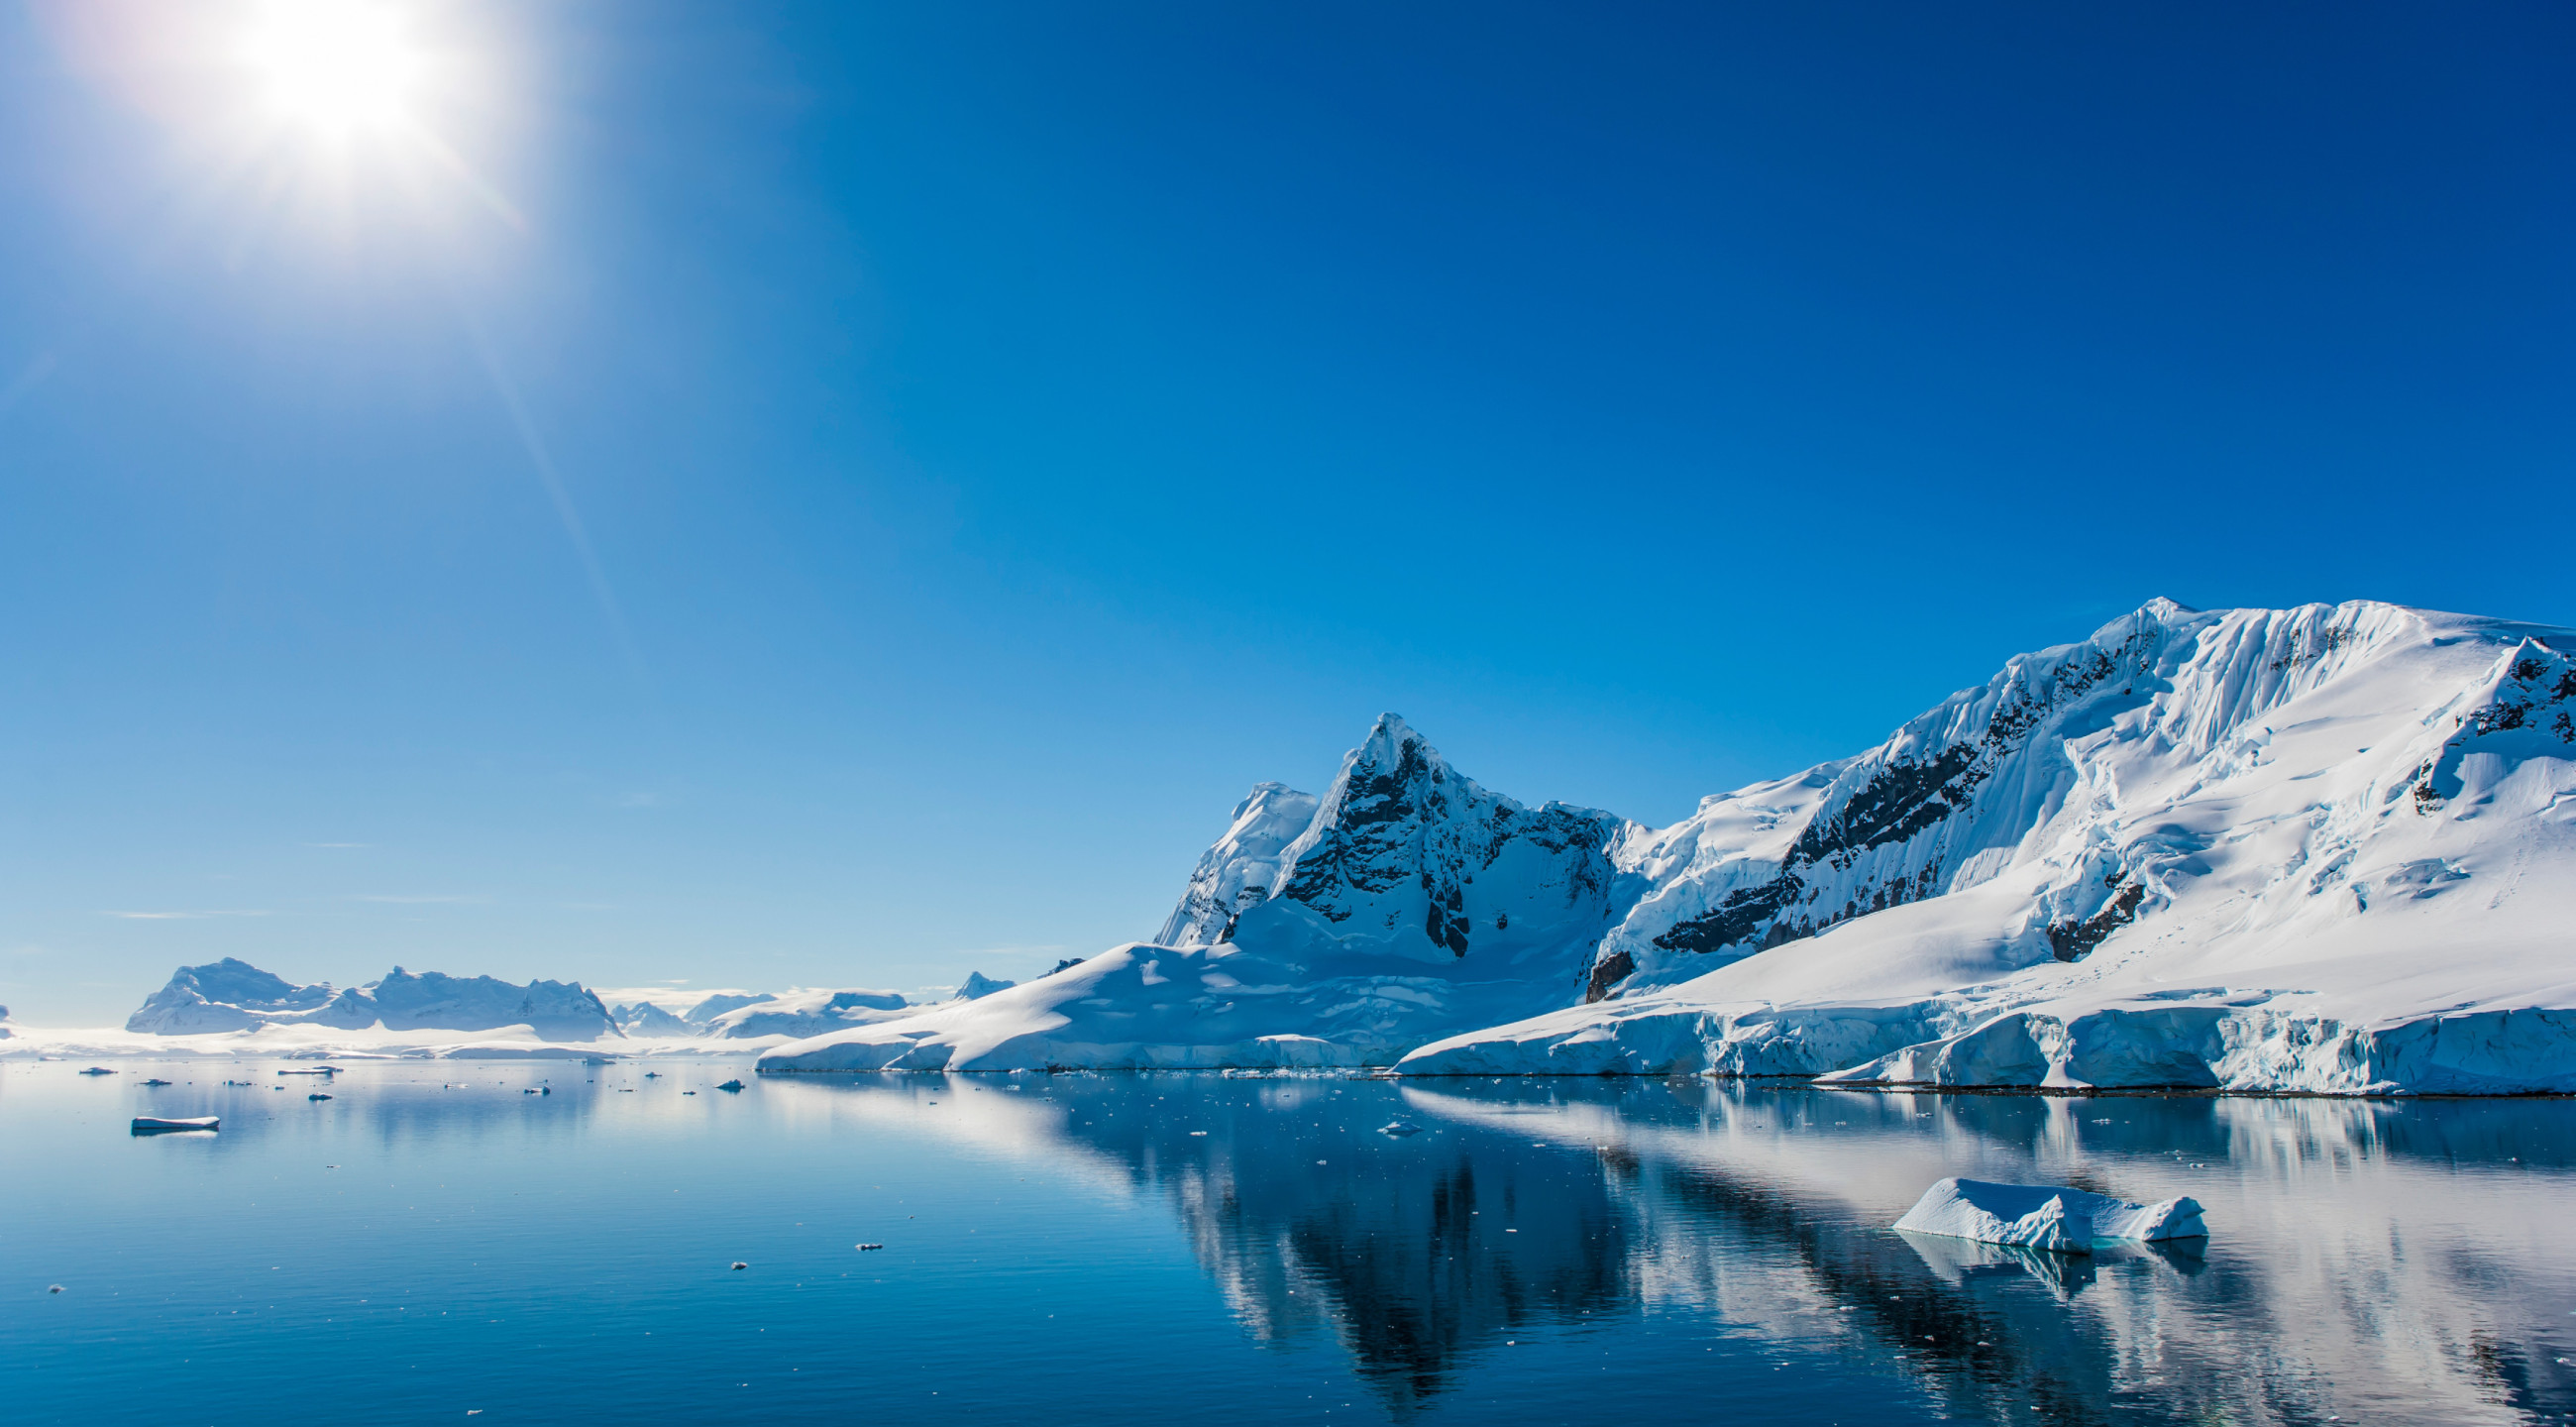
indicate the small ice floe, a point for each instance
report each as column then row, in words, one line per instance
column 865, row 1248
column 53, row 1288
column 652, row 1075
column 732, row 1085
column 98, row 1070
column 1399, row 1127
column 156, row 1081
column 737, row 1263
column 688, row 1092
column 156, row 1125
column 2039, row 1216
column 317, row 1096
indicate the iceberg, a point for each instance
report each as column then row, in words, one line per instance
column 155, row 1124
column 2037, row 1216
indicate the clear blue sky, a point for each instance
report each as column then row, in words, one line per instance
column 991, row 437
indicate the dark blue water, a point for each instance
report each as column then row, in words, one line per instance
column 1194, row 1248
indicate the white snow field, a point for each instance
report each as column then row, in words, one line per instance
column 2039, row 1216
column 2323, row 849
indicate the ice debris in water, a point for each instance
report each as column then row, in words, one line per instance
column 1399, row 1127
column 737, row 1263
column 317, row 1097
column 2039, row 1216
column 863, row 1248
column 733, row 1085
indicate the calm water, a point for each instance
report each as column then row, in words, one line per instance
column 1193, row 1248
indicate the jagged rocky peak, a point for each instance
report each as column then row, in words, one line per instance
column 1411, row 857
column 977, row 986
column 1242, row 869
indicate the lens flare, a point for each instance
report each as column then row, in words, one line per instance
column 337, row 65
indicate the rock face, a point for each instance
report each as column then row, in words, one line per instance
column 2328, row 849
column 231, row 995
column 977, row 986
column 1410, row 859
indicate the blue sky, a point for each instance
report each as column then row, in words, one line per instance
column 850, row 494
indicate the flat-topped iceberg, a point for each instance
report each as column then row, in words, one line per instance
column 2040, row 1216
column 157, row 1124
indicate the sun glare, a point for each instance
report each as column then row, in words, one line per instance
column 337, row 65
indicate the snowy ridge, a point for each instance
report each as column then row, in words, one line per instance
column 2328, row 849
column 1242, row 869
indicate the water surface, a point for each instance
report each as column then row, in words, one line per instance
column 433, row 1242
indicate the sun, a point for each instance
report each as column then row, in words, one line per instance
column 335, row 65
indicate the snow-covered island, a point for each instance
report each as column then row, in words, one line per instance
column 2323, row 849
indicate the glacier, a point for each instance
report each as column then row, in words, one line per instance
column 2325, row 849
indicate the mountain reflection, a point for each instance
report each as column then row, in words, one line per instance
column 2370, row 1260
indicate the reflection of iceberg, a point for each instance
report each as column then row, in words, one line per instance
column 1963, row 1260
column 2039, row 1216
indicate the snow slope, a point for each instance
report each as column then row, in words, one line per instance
column 1410, row 903
column 2331, row 849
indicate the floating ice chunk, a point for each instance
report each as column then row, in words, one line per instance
column 1399, row 1127
column 98, row 1070
column 154, row 1124
column 2040, row 1216
column 732, row 1085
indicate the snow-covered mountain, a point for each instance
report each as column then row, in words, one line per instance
column 233, row 995
column 2325, row 848
column 1409, row 901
